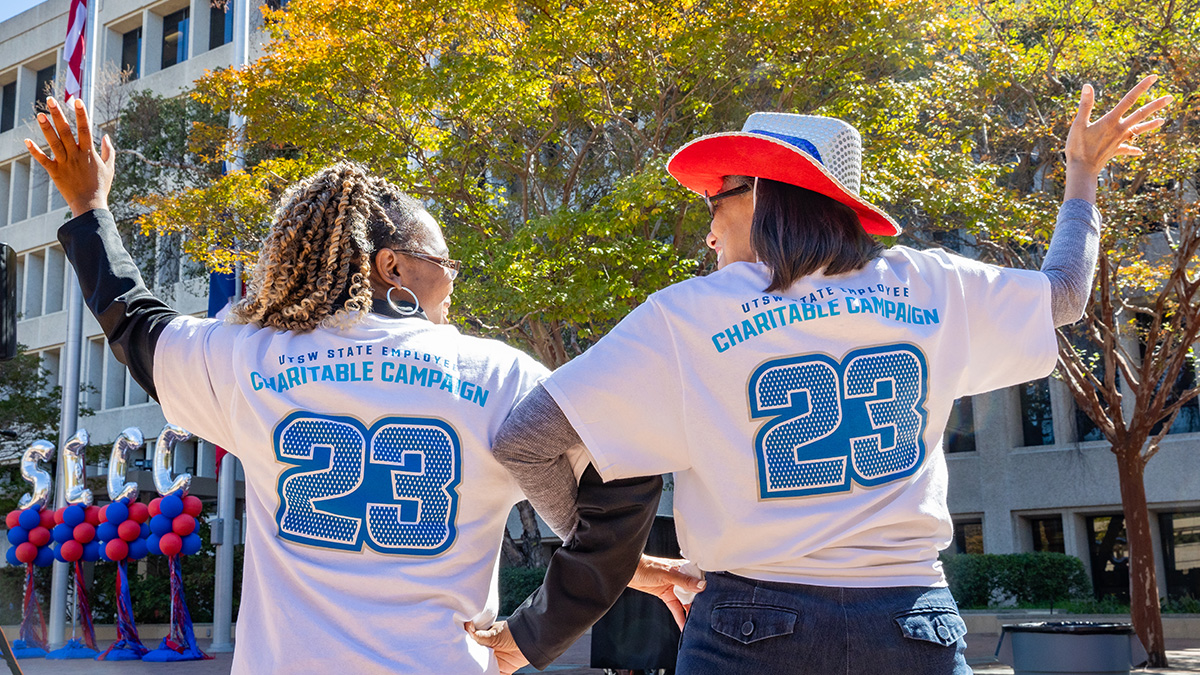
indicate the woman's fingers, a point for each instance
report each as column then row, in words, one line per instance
column 1132, row 96
column 108, row 153
column 1087, row 99
column 40, row 156
column 1148, row 109
column 56, row 144
column 62, row 126
column 83, row 125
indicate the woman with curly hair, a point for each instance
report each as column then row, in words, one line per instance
column 364, row 423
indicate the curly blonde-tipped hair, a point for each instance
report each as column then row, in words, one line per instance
column 314, row 266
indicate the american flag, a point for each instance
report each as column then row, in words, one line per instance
column 76, row 29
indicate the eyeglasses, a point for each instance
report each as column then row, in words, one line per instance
column 733, row 192
column 450, row 265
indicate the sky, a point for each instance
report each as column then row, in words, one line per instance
column 11, row 8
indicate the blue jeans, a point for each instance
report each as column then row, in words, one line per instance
column 742, row 626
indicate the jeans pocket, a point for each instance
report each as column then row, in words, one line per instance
column 940, row 625
column 748, row 623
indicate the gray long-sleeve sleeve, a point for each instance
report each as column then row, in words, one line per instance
column 533, row 445
column 1070, row 262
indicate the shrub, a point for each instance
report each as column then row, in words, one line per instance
column 1027, row 578
column 516, row 583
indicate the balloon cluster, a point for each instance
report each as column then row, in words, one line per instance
column 123, row 530
column 173, row 525
column 29, row 534
column 75, row 533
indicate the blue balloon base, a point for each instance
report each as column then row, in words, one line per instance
column 123, row 651
column 73, row 650
column 166, row 653
column 22, row 652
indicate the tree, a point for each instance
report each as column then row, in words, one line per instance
column 1126, row 364
column 538, row 134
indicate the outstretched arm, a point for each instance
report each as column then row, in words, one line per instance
column 131, row 317
column 1071, row 260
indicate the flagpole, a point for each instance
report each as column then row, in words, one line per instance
column 73, row 348
column 227, row 478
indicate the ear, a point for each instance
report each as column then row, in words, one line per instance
column 387, row 268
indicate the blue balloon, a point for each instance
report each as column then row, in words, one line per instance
column 62, row 533
column 138, row 549
column 170, row 506
column 145, row 530
column 191, row 544
column 17, row 536
column 11, row 556
column 91, row 551
column 45, row 557
column 160, row 524
column 152, row 545
column 107, row 532
column 30, row 518
column 116, row 513
column 74, row 515
column 58, row 554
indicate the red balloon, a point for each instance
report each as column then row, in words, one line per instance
column 71, row 550
column 139, row 512
column 170, row 544
column 13, row 519
column 92, row 515
column 183, row 525
column 39, row 536
column 84, row 532
column 129, row 530
column 116, row 549
column 47, row 518
column 154, row 506
column 193, row 506
column 27, row 552
column 58, row 516
column 103, row 513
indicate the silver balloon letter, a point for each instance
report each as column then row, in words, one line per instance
column 38, row 451
column 76, row 471
column 118, row 488
column 163, row 450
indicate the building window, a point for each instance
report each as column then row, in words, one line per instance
column 175, row 38
column 960, row 429
column 1085, row 428
column 277, row 4
column 8, row 107
column 968, row 536
column 1188, row 419
column 1110, row 556
column 1048, row 535
column 44, row 87
column 131, row 53
column 1037, row 422
column 1181, row 553
column 220, row 25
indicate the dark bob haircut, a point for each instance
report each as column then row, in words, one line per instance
column 797, row 232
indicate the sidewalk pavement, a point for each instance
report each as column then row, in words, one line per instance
column 1184, row 656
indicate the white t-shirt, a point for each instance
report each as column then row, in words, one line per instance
column 805, row 428
column 375, row 511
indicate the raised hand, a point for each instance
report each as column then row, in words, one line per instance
column 1090, row 145
column 82, row 175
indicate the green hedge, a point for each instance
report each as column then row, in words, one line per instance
column 516, row 583
column 1028, row 578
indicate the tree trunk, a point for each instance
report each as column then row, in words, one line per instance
column 1143, row 593
column 531, row 536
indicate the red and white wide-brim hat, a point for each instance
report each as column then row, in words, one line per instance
column 822, row 154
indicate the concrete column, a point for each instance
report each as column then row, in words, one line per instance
column 200, row 14
column 152, row 36
column 206, row 454
column 1062, row 407
column 26, row 94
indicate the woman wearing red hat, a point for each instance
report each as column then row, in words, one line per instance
column 800, row 393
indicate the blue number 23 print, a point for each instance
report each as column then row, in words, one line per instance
column 391, row 487
column 830, row 424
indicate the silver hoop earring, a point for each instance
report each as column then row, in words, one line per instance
column 404, row 311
